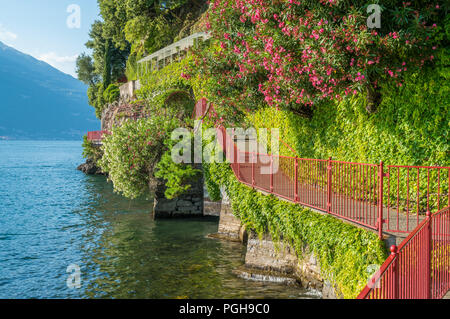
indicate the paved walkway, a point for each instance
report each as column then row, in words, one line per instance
column 362, row 213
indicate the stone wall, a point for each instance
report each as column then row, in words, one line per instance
column 128, row 90
column 210, row 207
column 263, row 255
column 229, row 226
column 266, row 261
column 190, row 204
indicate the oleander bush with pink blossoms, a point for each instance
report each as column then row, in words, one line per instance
column 294, row 54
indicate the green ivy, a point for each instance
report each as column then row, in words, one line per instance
column 176, row 175
column 90, row 150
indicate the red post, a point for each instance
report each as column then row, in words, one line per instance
column 253, row 169
column 395, row 272
column 296, row 180
column 271, row 173
column 224, row 141
column 429, row 247
column 329, row 188
column 239, row 165
column 380, row 200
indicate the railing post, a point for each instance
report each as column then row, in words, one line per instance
column 253, row 169
column 238, row 164
column 380, row 200
column 395, row 272
column 329, row 188
column 224, row 142
column 296, row 180
column 271, row 173
column 429, row 267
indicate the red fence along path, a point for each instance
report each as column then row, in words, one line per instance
column 420, row 267
column 392, row 198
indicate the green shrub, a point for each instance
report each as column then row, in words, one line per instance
column 132, row 151
column 90, row 151
column 112, row 93
column 177, row 175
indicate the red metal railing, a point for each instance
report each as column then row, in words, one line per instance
column 351, row 191
column 200, row 109
column 420, row 267
column 348, row 190
column 395, row 198
column 411, row 192
column 96, row 136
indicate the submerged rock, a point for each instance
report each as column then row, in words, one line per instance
column 90, row 168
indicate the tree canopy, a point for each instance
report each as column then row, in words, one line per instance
column 128, row 30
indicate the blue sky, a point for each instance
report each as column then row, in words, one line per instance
column 39, row 28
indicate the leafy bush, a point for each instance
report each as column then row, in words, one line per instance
column 91, row 151
column 111, row 94
column 177, row 176
column 132, row 151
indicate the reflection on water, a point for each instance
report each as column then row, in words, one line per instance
column 52, row 216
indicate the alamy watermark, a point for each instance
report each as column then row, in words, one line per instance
column 374, row 272
column 74, row 278
column 74, row 19
column 374, row 19
column 239, row 145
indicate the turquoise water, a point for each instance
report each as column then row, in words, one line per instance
column 53, row 216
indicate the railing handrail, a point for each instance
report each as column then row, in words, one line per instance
column 360, row 182
column 384, row 267
column 96, row 135
column 407, row 243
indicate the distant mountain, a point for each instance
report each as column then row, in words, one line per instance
column 39, row 102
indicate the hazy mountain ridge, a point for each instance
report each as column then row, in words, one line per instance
column 38, row 101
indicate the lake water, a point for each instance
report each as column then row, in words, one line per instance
column 53, row 216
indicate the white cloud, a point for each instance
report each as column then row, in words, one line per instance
column 6, row 36
column 65, row 64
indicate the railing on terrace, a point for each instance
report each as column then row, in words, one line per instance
column 96, row 136
column 420, row 267
column 398, row 196
column 171, row 52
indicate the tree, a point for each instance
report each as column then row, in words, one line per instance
column 107, row 66
column 85, row 69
